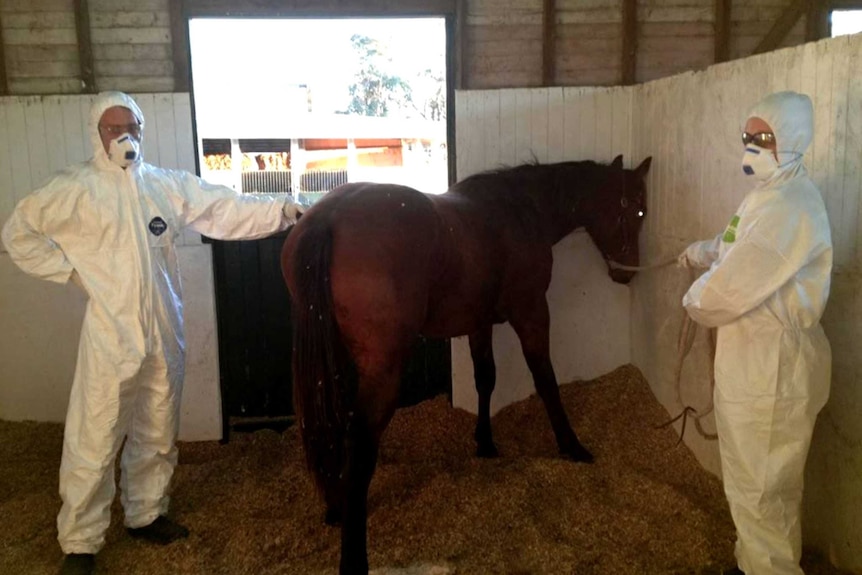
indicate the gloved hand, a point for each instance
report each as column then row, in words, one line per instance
column 292, row 210
column 683, row 262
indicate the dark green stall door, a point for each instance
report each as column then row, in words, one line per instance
column 255, row 340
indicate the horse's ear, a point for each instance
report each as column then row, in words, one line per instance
column 642, row 170
column 617, row 164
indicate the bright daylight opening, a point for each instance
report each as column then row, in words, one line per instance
column 846, row 22
column 301, row 106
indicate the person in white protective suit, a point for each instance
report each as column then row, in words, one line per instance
column 109, row 225
column 765, row 291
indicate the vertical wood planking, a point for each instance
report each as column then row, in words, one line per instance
column 621, row 126
column 604, row 127
column 556, row 137
column 823, row 134
column 185, row 135
column 638, row 153
column 661, row 123
column 167, row 131
column 73, row 131
column 508, row 153
column 7, row 198
column 539, row 123
column 86, row 103
column 853, row 170
column 56, row 141
column 461, row 111
column 490, row 123
column 840, row 85
column 683, row 201
column 808, row 84
column 587, row 133
column 469, row 140
column 19, row 156
column 477, row 141
column 523, row 126
column 744, row 84
column 37, row 146
column 185, row 150
column 151, row 128
column 571, row 123
column 649, row 139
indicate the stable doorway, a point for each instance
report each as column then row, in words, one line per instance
column 298, row 107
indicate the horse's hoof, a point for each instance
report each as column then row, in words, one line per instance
column 578, row 453
column 358, row 568
column 332, row 517
column 487, row 451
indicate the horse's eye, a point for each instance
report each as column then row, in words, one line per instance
column 624, row 202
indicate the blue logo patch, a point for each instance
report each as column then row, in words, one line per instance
column 158, row 226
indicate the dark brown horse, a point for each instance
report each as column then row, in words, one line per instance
column 372, row 266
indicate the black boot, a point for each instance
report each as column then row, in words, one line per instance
column 733, row 571
column 78, row 564
column 161, row 531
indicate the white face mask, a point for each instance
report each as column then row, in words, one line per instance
column 124, row 150
column 758, row 162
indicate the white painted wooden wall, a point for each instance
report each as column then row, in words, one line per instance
column 691, row 125
column 590, row 313
column 39, row 321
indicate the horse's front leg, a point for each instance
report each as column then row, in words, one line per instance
column 485, row 376
column 532, row 324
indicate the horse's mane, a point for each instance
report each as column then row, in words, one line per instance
column 520, row 186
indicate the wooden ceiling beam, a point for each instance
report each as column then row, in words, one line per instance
column 549, row 40
column 722, row 30
column 782, row 27
column 320, row 8
column 180, row 45
column 85, row 46
column 630, row 42
column 459, row 43
column 4, row 81
column 817, row 20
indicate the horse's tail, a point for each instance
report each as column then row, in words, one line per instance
column 324, row 375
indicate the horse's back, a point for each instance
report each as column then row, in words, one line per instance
column 383, row 240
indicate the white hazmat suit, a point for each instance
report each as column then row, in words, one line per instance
column 112, row 230
column 766, row 289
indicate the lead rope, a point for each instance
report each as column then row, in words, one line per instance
column 685, row 340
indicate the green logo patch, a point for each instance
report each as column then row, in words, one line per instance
column 730, row 231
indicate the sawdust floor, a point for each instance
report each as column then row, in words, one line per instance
column 644, row 506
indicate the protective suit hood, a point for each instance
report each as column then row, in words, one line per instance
column 100, row 105
column 791, row 117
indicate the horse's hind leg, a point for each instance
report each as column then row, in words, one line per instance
column 375, row 403
column 485, row 376
column 532, row 324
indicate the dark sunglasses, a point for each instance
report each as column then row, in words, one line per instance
column 761, row 139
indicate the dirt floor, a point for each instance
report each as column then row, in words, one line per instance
column 644, row 506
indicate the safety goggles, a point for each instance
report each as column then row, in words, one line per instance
column 117, row 130
column 760, row 139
